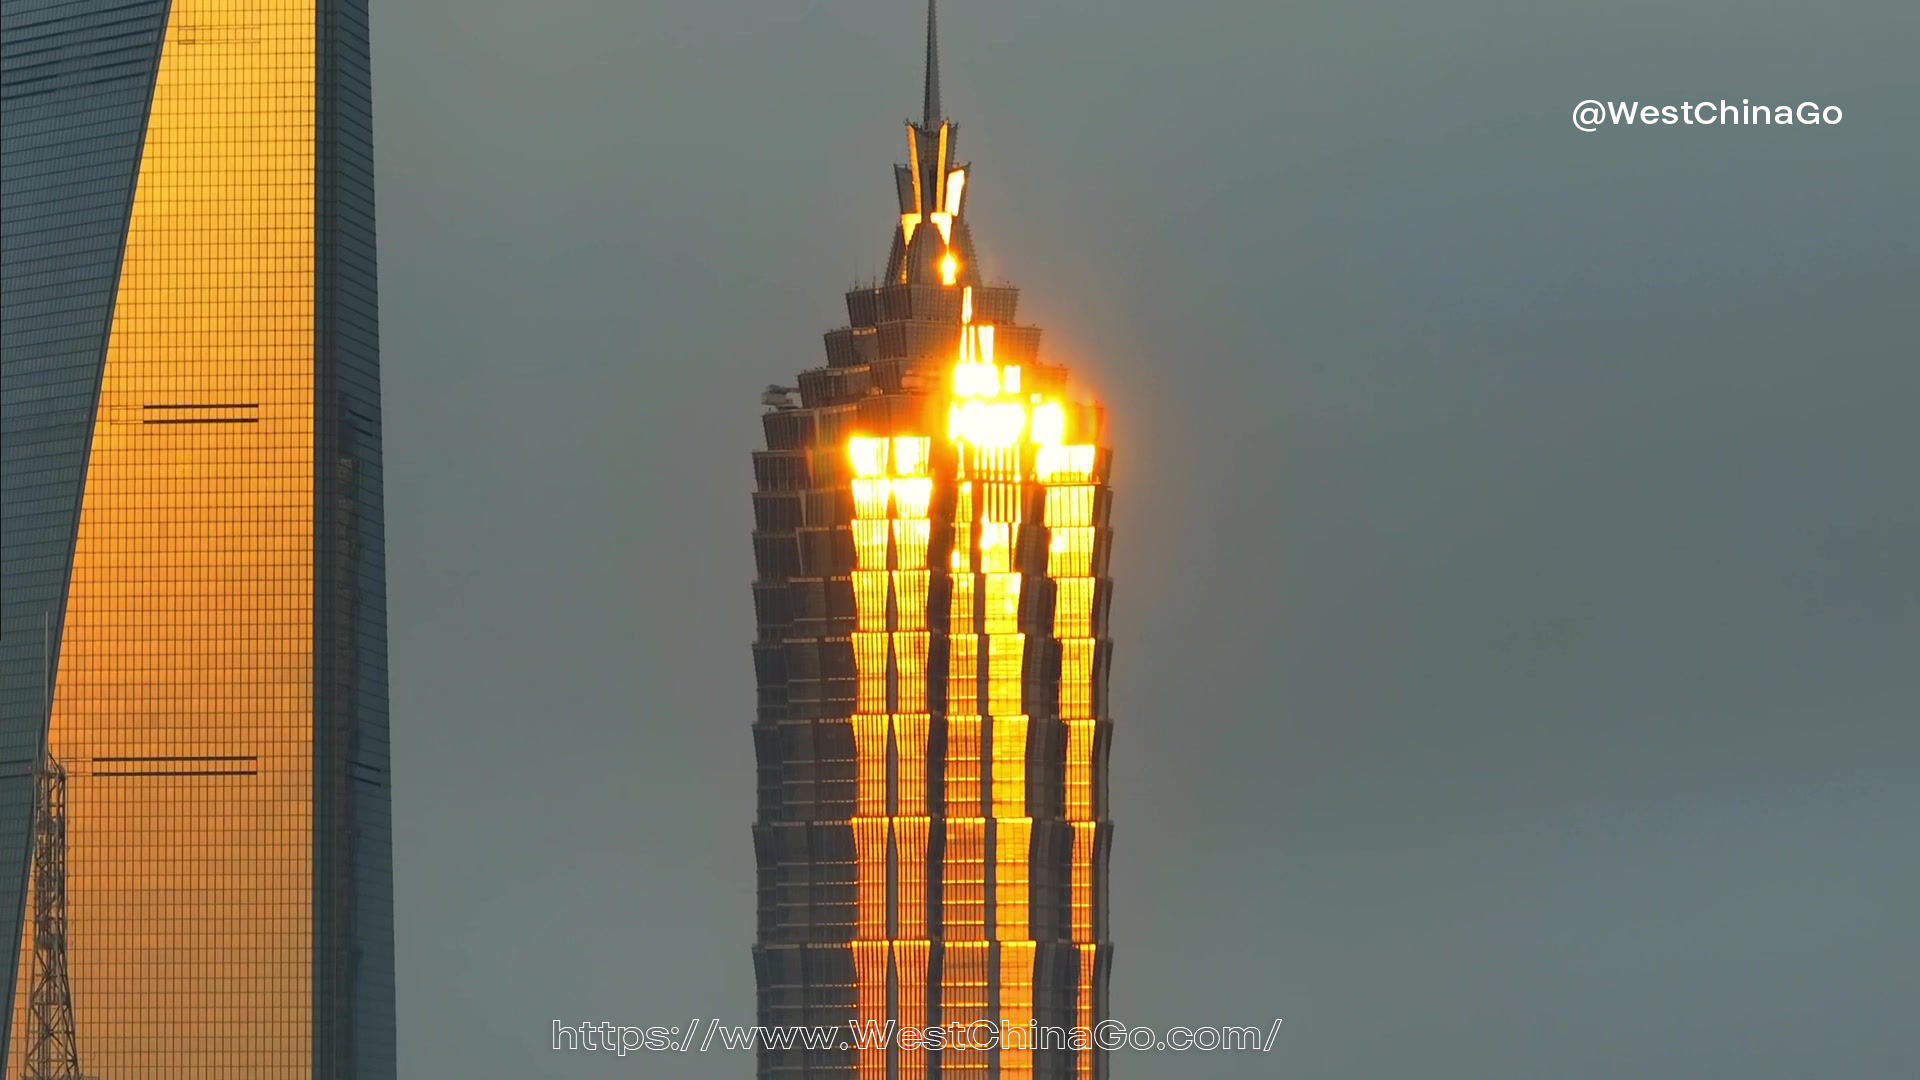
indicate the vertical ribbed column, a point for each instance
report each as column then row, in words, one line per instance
column 963, row 877
column 912, row 643
column 987, row 704
column 1076, row 522
column 892, row 647
column 1002, row 482
column 872, row 594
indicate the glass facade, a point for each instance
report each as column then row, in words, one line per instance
column 932, row 536
column 192, row 621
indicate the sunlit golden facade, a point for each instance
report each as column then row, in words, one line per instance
column 932, row 539
column 193, row 619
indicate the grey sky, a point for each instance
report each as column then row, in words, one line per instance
column 1517, row 608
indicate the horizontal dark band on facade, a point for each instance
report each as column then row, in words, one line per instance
column 175, row 772
column 177, row 765
column 223, row 412
column 177, row 757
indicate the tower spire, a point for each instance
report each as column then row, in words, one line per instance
column 933, row 191
column 931, row 106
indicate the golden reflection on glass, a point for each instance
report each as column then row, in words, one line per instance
column 870, row 495
column 1066, row 464
column 870, row 544
column 1014, row 844
column 995, row 891
column 870, row 756
column 910, row 733
column 966, row 998
column 1010, row 769
column 911, row 836
column 912, row 958
column 870, row 854
column 963, row 895
column 1070, row 499
column 183, row 706
column 873, row 527
column 1017, row 1004
column 870, row 964
column 963, row 677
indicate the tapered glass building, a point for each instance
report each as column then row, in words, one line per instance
column 931, row 535
column 192, row 622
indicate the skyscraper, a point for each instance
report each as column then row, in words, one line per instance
column 931, row 536
column 192, row 622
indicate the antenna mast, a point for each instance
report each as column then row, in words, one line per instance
column 52, row 1051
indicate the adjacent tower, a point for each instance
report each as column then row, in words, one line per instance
column 931, row 535
column 192, row 621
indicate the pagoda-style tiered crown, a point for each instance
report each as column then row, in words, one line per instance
column 933, row 246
